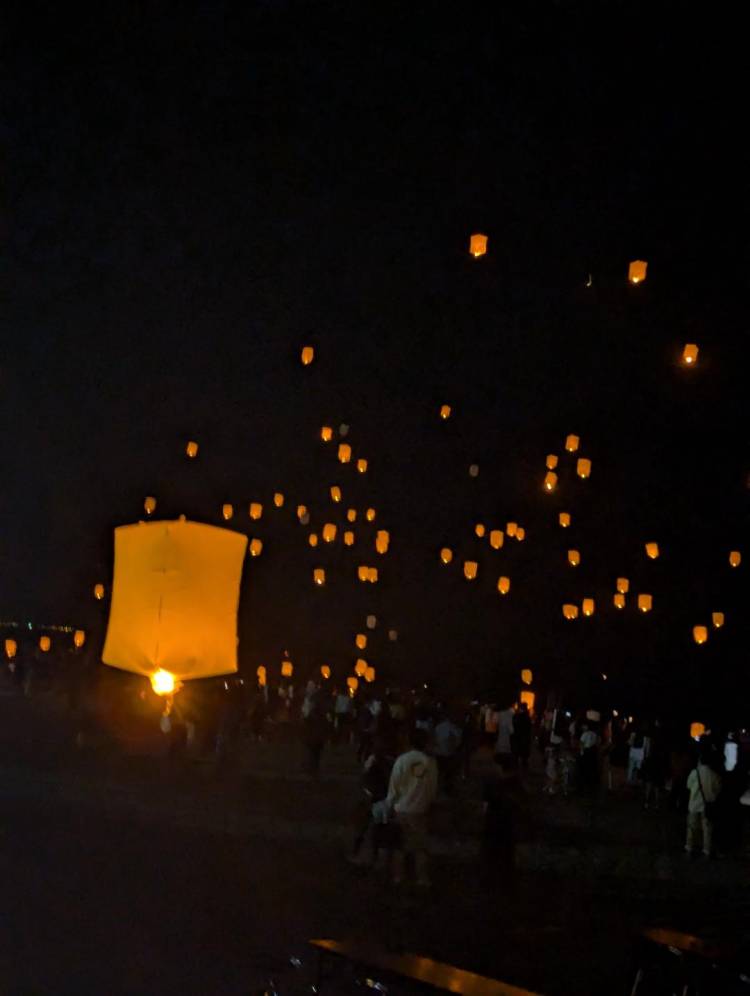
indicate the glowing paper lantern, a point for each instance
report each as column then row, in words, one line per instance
column 348, row 538
column 470, row 569
column 528, row 698
column 326, row 433
column 261, row 673
column 345, row 452
column 351, row 515
column 497, row 538
column 312, row 539
column 360, row 667
column 44, row 644
column 287, row 669
column 637, row 271
column 520, row 534
column 623, row 586
column 572, row 443
column 192, row 449
column 352, row 684
column 256, row 547
column 11, row 648
column 79, row 638
column 393, row 635
column 697, row 730
column 588, row 606
column 645, row 603
column 149, row 505
column 446, row 555
column 445, row 412
column 98, row 592
column 325, row 672
column 503, row 585
column 735, row 558
column 370, row 514
column 174, row 599
column 382, row 541
column 717, row 618
column 550, row 480
column 583, row 468
column 361, row 641
column 574, row 558
column 301, row 512
column 478, row 245
column 307, row 355
column 371, row 622
column 700, row 634
column 336, row 493
column 372, row 575
column 319, row 576
column 329, row 532
column 510, row 529
column 652, row 550
column 256, row 510
column 370, row 675
column 278, row 499
column 362, row 466
column 474, row 470
column 690, row 354
column 619, row 600
column 527, row 676
column 564, row 519
column 362, row 572
column 551, row 461
column 227, row 511
column 570, row 611
column 479, row 529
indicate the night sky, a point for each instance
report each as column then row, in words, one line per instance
column 191, row 194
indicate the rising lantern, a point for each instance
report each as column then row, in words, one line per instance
column 326, row 433
column 149, row 505
column 445, row 411
column 474, row 470
column 371, row 622
column 623, row 586
column 588, row 606
column 497, row 538
column 362, row 572
column 345, row 452
column 520, row 534
column 645, row 603
column 351, row 515
column 470, row 569
column 362, row 466
column 278, row 499
column 700, row 634
column 360, row 667
column 551, row 461
column 287, row 669
column 98, row 592
column 372, row 575
column 697, row 730
column 44, row 643
column 574, row 558
column 348, row 538
column 550, row 480
column 370, row 514
column 227, row 511
column 336, row 493
column 570, row 611
column 572, row 443
column 637, row 271
column 192, row 449
column 352, row 684
column 261, row 673
column 370, row 675
column 564, row 519
column 717, row 618
column 446, row 555
column 735, row 558
column 652, row 550
column 690, row 354
column 510, row 528
column 256, row 547
column 619, row 600
column 503, row 585
column 319, row 576
column 583, row 467
column 11, row 648
column 527, row 676
column 382, row 541
column 360, row 641
column 325, row 672
column 329, row 532
column 312, row 539
column 301, row 512
column 307, row 355
column 528, row 698
column 478, row 245
column 479, row 529
column 79, row 638
column 256, row 510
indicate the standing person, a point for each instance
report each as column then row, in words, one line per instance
column 503, row 744
column 375, row 781
column 588, row 759
column 343, row 714
column 636, row 754
column 521, row 741
column 315, row 732
column 655, row 767
column 447, row 741
column 411, row 793
column 703, row 785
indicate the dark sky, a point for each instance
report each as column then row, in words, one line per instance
column 192, row 195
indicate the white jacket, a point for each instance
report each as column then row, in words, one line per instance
column 414, row 783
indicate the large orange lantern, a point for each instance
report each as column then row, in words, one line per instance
column 478, row 245
column 307, row 355
column 623, row 586
column 700, row 634
column 510, row 529
column 11, row 648
column 470, row 569
column 44, row 644
column 261, row 674
column 570, row 611
column 735, row 558
column 637, row 271
column 583, row 468
column 497, row 538
column 652, row 550
column 329, row 532
column 326, row 433
column 645, row 603
column 256, row 510
column 372, row 575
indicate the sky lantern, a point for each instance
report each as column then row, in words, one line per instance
column 372, row 575
column 278, row 500
column 527, row 676
column 520, row 534
column 192, row 449
column 345, row 452
column 572, row 443
column 307, row 355
column 479, row 529
column 717, row 618
column 564, row 519
column 446, row 554
column 325, row 672
column 11, row 648
column 588, row 605
column 149, row 505
column 348, row 538
column 700, row 634
column 79, row 638
column 256, row 510
column 44, row 644
column 261, row 675
column 163, row 682
column 329, row 532
column 360, row 641
column 371, row 622
column 528, row 698
column 301, row 512
column 637, row 271
column 370, row 514
column 351, row 515
column 645, row 603
column 174, row 601
column 287, row 669
column 551, row 461
column 690, row 354
column 652, row 550
column 393, row 635
column 697, row 730
column 470, row 569
column 619, row 600
column 352, row 684
column 623, row 586
column 362, row 572
column 312, row 539
column 227, row 511
column 256, row 547
column 98, row 592
column 497, row 538
column 319, row 576
column 503, row 585
column 360, row 667
column 361, row 466
column 445, row 412
column 382, row 541
column 574, row 558
column 570, row 611
column 474, row 470
column 510, row 529
column 326, row 433
column 550, row 480
column 370, row 675
column 735, row 558
column 478, row 245
column 583, row 467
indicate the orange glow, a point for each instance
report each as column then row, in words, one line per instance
column 735, row 558
column 697, row 730
column 307, row 355
column 312, row 539
column 360, row 667
column 360, row 641
column 529, row 698
column 717, row 618
column 497, row 538
column 520, row 534
column 478, row 245
column 572, row 443
column 623, row 586
column 278, row 499
column 370, row 514
column 11, row 647
column 287, row 669
column 319, row 576
column 192, row 449
column 325, row 672
column 690, row 354
column 98, row 592
column 352, row 684
column 149, row 505
column 362, row 466
column 329, row 532
column 588, row 606
column 551, row 461
column 301, row 512
column 372, row 575
column 446, row 555
column 348, row 538
column 527, row 676
column 564, row 519
column 445, row 411
column 510, row 529
column 256, row 547
column 255, row 510
column 261, row 673
column 619, row 600
column 227, row 511
column 163, row 682
column 479, row 529
column 570, row 611
column 382, row 541
column 79, row 638
column 351, row 515
column 345, row 452
column 645, row 603
column 503, row 585
column 336, row 493
column 550, row 480
column 637, row 271
column 470, row 569
column 652, row 550
column 583, row 468
column 326, row 433
column 362, row 572
column 574, row 558
column 700, row 634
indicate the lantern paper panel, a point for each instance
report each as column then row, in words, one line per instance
column 360, row 641
column 44, row 644
column 478, row 245
column 370, row 675
column 623, row 586
column 312, row 539
column 278, row 499
column 360, row 667
column 351, row 515
column 319, row 576
column 570, row 611
column 583, row 468
column 329, row 532
column 382, row 541
column 735, row 558
column 446, row 555
column 564, row 519
column 348, row 538
column 192, row 449
column 697, row 730
column 479, row 529
column 645, row 603
column 287, row 669
column 149, row 505
column 717, row 618
column 370, row 514
column 79, row 638
column 574, row 558
column 690, row 354
column 352, row 684
column 503, row 585
column 619, row 600
column 372, row 575
column 307, row 355
column 11, row 648
column 637, row 271
column 550, row 480
column 325, row 672
column 256, row 547
column 261, row 675
column 510, row 529
column 700, row 634
column 361, row 466
column 256, row 510
column 371, row 622
column 527, row 676
column 345, row 452
column 326, row 433
column 335, row 493
column 98, row 592
column 551, row 461
column 470, row 569
column 652, row 550
column 588, row 606
column 572, row 443
column 227, row 511
column 520, row 534
column 528, row 698
column 497, row 538
column 445, row 412
column 174, row 599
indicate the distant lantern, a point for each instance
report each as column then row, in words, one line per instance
column 44, row 644
column 371, row 622
column 652, row 550
column 551, row 461
column 520, row 534
column 343, row 429
column 564, row 519
column 335, row 493
column 497, row 538
column 588, row 606
column 574, row 558
column 623, row 586
column 255, row 510
column 319, row 576
column 527, row 676
column 382, row 541
column 351, row 515
column 637, row 271
column 550, row 480
column 307, row 355
column 470, row 569
column 697, row 730
column 261, row 675
column 325, row 672
column 352, row 684
column 503, row 585
column 362, row 572
column 192, row 450
column 445, row 412
column 446, row 555
column 717, row 618
column 393, row 635
column 372, row 575
column 227, row 511
column 360, row 667
column 619, row 600
column 98, row 592
column 700, row 634
column 287, row 669
column 370, row 675
column 149, row 505
column 735, row 558
column 79, row 638
column 360, row 641
column 690, row 354
column 645, row 603
column 326, row 433
column 370, row 514
column 11, row 647
column 348, row 538
column 474, row 470
column 301, row 512
column 510, row 528
column 479, row 529
column 255, row 547
column 329, row 532
column 528, row 698
column 312, row 539
column 583, row 467
column 478, row 245
column 362, row 466
column 278, row 500
column 570, row 611
column 345, row 452
column 305, row 519
column 572, row 443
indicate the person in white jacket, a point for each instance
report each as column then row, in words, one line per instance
column 411, row 792
column 703, row 785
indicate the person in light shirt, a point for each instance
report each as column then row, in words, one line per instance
column 703, row 785
column 411, row 792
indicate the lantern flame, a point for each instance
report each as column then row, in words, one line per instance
column 163, row 682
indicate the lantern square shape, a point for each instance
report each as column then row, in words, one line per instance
column 478, row 245
column 572, row 443
column 637, row 271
